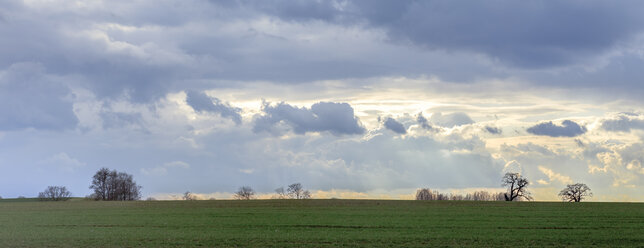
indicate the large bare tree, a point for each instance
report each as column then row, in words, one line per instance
column 517, row 187
column 575, row 192
column 55, row 193
column 114, row 186
column 297, row 191
column 245, row 193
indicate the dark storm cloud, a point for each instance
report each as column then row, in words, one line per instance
column 337, row 118
column 201, row 102
column 567, row 128
column 393, row 125
column 528, row 34
column 30, row 99
column 623, row 122
column 145, row 49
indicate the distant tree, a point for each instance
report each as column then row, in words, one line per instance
column 456, row 197
column 245, row 193
column 189, row 196
column 150, row 199
column 424, row 194
column 296, row 191
column 442, row 197
column 575, row 192
column 114, row 186
column 55, row 193
column 498, row 196
column 280, row 193
column 516, row 187
column 21, row 197
column 432, row 195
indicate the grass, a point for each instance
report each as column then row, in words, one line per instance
column 319, row 223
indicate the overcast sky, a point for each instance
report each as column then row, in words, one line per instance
column 353, row 99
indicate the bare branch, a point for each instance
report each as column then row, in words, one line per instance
column 575, row 192
column 245, row 193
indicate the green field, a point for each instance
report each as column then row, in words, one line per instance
column 319, row 223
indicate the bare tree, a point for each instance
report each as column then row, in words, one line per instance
column 296, row 191
column 280, row 193
column 245, row 193
column 516, row 187
column 575, row 192
column 189, row 196
column 55, row 193
column 424, row 194
column 114, row 186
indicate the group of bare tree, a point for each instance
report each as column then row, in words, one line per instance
column 517, row 190
column 293, row 191
column 114, row 186
column 433, row 195
column 55, row 193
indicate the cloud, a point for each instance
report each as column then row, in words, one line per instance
column 65, row 162
column 123, row 51
column 567, row 129
column 513, row 167
column 31, row 99
column 451, row 120
column 623, row 122
column 177, row 164
column 540, row 34
column 493, row 130
column 337, row 118
column 552, row 176
column 201, row 102
column 119, row 120
column 422, row 121
column 163, row 169
column 394, row 125
column 635, row 166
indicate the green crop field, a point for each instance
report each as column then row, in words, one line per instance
column 319, row 223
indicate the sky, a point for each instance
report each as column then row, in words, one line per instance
column 351, row 98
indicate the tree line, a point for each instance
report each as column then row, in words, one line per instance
column 111, row 185
column 516, row 191
column 108, row 185
column 293, row 191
